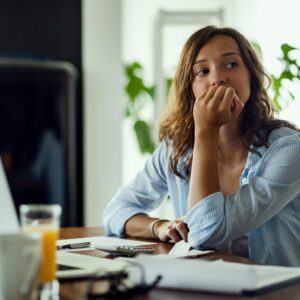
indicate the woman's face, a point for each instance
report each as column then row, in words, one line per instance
column 219, row 62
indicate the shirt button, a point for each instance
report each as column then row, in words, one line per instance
column 244, row 180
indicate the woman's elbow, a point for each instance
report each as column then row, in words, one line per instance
column 204, row 238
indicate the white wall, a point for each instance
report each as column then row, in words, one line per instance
column 102, row 87
column 272, row 23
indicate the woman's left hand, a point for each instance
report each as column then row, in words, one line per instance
column 172, row 230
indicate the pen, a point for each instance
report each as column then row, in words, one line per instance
column 74, row 246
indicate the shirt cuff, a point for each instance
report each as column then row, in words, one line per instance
column 116, row 224
column 205, row 219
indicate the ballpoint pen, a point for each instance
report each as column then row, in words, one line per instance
column 74, row 246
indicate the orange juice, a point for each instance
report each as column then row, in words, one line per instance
column 48, row 263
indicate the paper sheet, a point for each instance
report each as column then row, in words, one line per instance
column 267, row 275
column 183, row 249
column 89, row 262
column 85, row 265
column 178, row 273
column 101, row 240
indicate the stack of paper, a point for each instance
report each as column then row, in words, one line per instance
column 216, row 276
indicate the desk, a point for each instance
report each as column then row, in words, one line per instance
column 75, row 290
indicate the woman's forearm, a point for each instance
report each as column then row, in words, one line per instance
column 140, row 225
column 204, row 174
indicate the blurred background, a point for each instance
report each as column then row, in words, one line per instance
column 84, row 82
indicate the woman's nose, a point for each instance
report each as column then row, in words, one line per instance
column 218, row 79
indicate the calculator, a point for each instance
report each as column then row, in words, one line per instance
column 129, row 250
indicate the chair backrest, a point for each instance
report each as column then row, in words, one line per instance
column 41, row 94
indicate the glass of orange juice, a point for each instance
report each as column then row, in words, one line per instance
column 44, row 218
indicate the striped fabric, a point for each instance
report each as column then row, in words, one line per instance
column 266, row 208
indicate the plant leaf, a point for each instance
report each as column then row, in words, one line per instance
column 134, row 87
column 151, row 91
column 286, row 48
column 144, row 137
column 276, row 103
column 132, row 69
column 169, row 82
column 286, row 75
column 291, row 95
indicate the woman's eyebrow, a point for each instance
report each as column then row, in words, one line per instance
column 222, row 55
column 230, row 53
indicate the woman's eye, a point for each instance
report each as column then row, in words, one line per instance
column 231, row 65
column 202, row 72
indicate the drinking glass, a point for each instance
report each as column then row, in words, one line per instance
column 44, row 218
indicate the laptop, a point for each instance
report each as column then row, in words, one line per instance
column 70, row 265
column 8, row 216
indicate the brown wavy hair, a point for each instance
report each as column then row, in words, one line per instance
column 257, row 119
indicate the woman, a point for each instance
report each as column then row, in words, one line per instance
column 230, row 168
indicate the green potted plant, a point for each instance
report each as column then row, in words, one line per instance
column 138, row 95
column 290, row 59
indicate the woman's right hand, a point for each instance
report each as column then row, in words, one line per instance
column 171, row 230
column 219, row 105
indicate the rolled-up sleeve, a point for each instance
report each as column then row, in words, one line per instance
column 218, row 219
column 143, row 194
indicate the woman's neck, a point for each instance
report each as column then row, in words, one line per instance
column 233, row 148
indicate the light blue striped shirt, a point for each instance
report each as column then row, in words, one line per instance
column 266, row 207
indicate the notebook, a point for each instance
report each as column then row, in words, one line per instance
column 212, row 276
column 70, row 265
